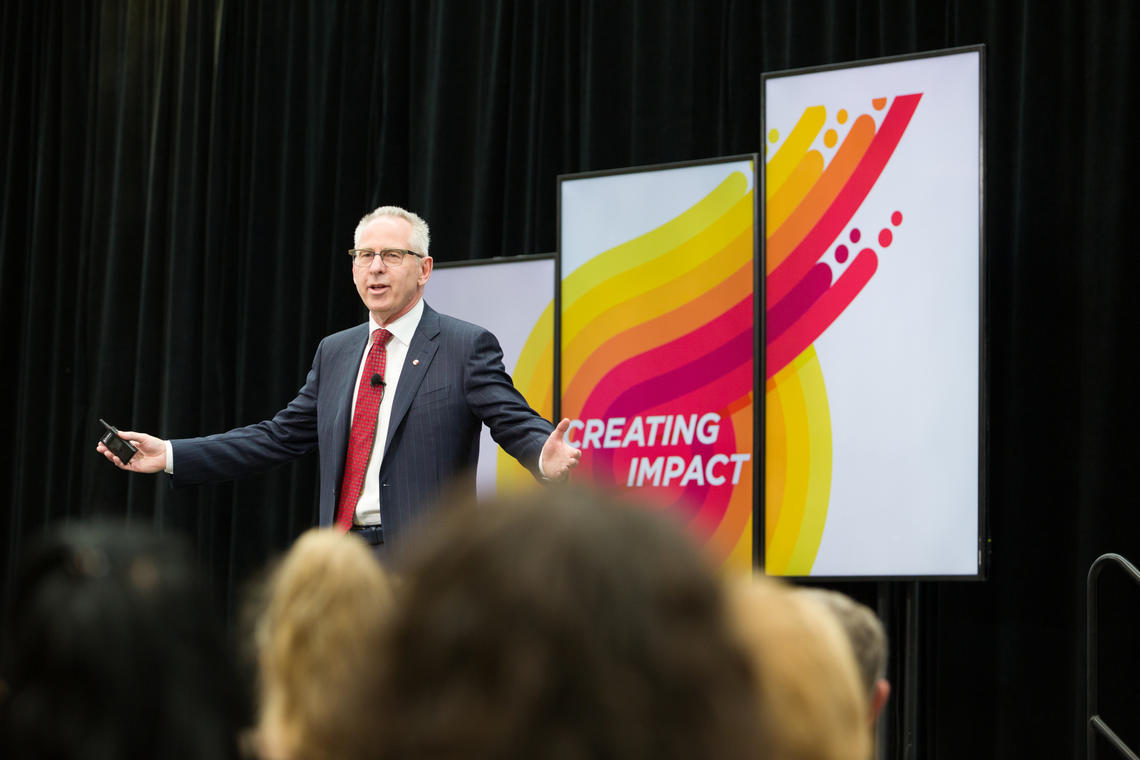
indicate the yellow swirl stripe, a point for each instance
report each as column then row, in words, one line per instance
column 784, row 201
column 662, row 243
column 654, row 318
column 788, row 157
column 785, row 524
column 534, row 377
column 819, row 469
column 534, row 372
column 659, row 287
column 803, row 453
column 775, row 458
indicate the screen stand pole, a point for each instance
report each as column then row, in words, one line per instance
column 896, row 731
column 910, row 680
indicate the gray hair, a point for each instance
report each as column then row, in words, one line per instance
column 864, row 629
column 421, row 235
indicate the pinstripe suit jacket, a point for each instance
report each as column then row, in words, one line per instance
column 453, row 380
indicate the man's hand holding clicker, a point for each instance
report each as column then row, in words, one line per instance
column 151, row 456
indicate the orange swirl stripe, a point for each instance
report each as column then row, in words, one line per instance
column 792, row 232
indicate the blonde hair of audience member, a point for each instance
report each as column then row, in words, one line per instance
column 813, row 707
column 868, row 640
column 564, row 625
column 316, row 637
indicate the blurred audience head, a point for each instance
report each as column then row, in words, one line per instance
column 868, row 640
column 563, row 625
column 316, row 636
column 113, row 650
column 812, row 704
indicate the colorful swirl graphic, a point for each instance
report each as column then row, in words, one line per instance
column 659, row 330
column 534, row 377
column 809, row 208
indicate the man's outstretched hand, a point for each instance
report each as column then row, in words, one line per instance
column 151, row 456
column 559, row 457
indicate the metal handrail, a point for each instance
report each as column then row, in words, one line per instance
column 1096, row 726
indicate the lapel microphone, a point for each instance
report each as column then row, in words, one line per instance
column 377, row 380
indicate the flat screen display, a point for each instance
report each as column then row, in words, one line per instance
column 658, row 342
column 514, row 299
column 873, row 313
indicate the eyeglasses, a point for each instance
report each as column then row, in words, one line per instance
column 392, row 257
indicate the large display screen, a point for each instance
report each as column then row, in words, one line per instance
column 514, row 299
column 873, row 282
column 656, row 284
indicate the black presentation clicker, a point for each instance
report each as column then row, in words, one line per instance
column 124, row 450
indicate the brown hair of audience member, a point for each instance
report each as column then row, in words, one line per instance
column 563, row 625
column 868, row 640
column 316, row 635
column 813, row 707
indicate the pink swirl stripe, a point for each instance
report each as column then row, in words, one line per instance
column 785, row 277
column 794, row 305
column 822, row 313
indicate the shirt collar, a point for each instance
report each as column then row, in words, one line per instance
column 403, row 328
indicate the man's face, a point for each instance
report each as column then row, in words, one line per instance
column 390, row 292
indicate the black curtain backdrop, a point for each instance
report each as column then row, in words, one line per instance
column 180, row 180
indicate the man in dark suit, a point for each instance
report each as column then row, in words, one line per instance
column 431, row 381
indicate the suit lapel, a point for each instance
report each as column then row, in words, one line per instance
column 346, row 365
column 421, row 351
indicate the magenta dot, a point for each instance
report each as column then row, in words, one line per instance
column 855, row 235
column 841, row 254
column 885, row 237
column 896, row 218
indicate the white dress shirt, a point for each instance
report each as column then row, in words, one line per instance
column 402, row 329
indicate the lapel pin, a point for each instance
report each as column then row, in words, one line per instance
column 415, row 362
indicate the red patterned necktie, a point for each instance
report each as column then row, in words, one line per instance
column 363, row 431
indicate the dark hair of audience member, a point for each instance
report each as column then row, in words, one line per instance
column 113, row 651
column 562, row 625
